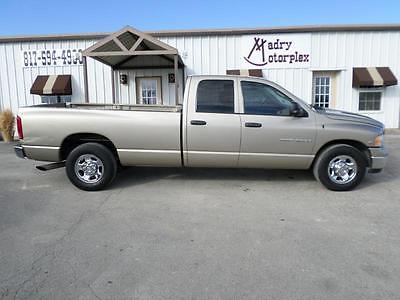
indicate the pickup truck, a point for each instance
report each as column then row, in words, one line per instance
column 224, row 122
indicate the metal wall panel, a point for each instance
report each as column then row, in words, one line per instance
column 330, row 51
column 214, row 55
column 16, row 80
column 126, row 93
column 335, row 51
column 345, row 50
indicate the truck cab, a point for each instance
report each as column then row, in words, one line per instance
column 247, row 123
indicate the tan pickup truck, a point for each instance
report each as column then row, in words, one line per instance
column 224, row 122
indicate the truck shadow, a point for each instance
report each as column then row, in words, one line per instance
column 140, row 175
column 131, row 176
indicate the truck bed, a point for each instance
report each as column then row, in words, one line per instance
column 142, row 135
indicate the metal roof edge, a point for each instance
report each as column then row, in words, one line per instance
column 279, row 29
column 52, row 37
column 203, row 32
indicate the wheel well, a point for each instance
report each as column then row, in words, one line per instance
column 356, row 144
column 74, row 140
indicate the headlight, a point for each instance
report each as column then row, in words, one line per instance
column 378, row 142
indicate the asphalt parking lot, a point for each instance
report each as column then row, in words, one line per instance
column 198, row 234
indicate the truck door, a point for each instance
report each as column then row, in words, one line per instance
column 212, row 127
column 271, row 136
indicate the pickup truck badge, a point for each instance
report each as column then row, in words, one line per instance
column 296, row 140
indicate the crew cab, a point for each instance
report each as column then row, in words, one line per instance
column 224, row 122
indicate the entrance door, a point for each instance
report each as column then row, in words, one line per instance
column 324, row 89
column 271, row 137
column 149, row 90
column 213, row 128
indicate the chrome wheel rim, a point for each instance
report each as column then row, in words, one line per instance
column 89, row 168
column 342, row 169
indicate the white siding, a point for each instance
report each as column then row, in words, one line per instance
column 126, row 93
column 345, row 50
column 16, row 81
column 335, row 51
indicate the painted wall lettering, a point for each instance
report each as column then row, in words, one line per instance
column 276, row 51
column 53, row 57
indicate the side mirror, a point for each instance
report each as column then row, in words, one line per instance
column 297, row 111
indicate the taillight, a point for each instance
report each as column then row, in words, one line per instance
column 19, row 128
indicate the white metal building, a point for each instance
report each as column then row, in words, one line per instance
column 353, row 68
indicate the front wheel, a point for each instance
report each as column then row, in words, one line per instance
column 340, row 167
column 91, row 166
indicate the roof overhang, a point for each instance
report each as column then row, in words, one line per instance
column 373, row 76
column 131, row 48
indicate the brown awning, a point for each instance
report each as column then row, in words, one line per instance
column 374, row 76
column 52, row 85
column 246, row 72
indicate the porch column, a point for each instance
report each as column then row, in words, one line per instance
column 113, row 85
column 176, row 79
column 85, row 79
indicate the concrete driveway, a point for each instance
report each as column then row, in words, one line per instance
column 198, row 234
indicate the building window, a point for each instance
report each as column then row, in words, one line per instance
column 215, row 96
column 52, row 99
column 322, row 91
column 369, row 99
column 149, row 90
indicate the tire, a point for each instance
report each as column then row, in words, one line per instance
column 340, row 167
column 91, row 166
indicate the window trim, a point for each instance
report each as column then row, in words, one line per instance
column 235, row 105
column 370, row 90
column 314, row 83
column 139, row 99
column 43, row 97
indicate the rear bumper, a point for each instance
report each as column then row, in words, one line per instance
column 378, row 158
column 42, row 153
column 19, row 151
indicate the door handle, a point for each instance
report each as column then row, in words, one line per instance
column 253, row 124
column 198, row 122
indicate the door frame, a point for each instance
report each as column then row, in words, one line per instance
column 276, row 159
column 138, row 89
column 189, row 111
column 333, row 78
column 302, row 103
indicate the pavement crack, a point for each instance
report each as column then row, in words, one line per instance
column 82, row 217
column 93, row 292
column 50, row 251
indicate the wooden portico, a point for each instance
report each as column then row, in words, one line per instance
column 129, row 49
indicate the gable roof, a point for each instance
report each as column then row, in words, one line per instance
column 122, row 47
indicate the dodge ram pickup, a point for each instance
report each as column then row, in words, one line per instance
column 224, row 122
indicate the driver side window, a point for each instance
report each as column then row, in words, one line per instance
column 262, row 99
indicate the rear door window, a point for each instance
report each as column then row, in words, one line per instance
column 215, row 96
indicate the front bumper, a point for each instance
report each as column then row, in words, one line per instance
column 378, row 157
column 19, row 151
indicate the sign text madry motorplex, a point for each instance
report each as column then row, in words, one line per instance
column 276, row 51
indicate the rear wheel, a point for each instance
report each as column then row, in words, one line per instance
column 340, row 167
column 91, row 166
